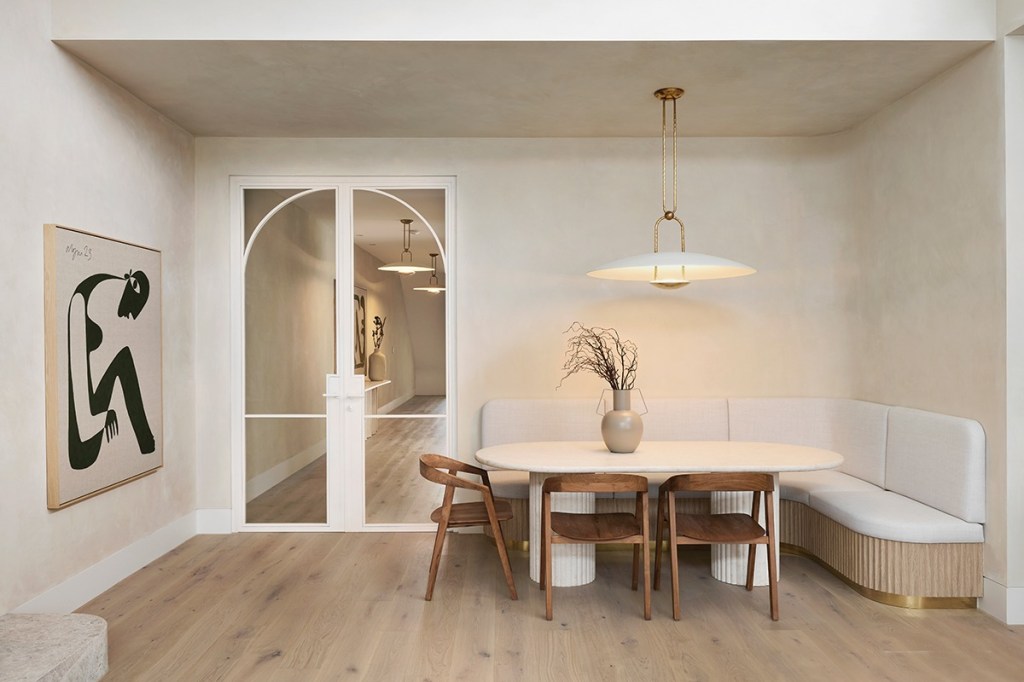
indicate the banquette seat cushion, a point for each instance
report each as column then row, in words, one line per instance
column 891, row 516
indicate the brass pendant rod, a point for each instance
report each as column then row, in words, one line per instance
column 406, row 239
column 669, row 213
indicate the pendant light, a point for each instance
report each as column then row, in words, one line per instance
column 670, row 269
column 404, row 267
column 433, row 287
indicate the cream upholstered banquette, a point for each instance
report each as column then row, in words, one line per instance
column 901, row 520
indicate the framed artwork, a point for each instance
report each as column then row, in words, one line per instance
column 104, row 382
column 359, row 330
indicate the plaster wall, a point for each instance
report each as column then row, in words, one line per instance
column 81, row 152
column 930, row 327
column 534, row 215
column 425, row 313
column 1012, row 21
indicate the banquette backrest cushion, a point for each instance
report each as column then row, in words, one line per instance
column 938, row 460
column 935, row 459
column 854, row 428
column 517, row 421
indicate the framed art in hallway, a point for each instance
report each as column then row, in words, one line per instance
column 104, row 380
column 359, row 329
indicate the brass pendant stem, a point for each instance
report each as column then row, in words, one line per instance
column 666, row 95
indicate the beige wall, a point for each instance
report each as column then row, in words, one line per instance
column 1011, row 14
column 425, row 313
column 534, row 215
column 79, row 151
column 931, row 304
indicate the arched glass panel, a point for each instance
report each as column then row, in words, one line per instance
column 290, row 346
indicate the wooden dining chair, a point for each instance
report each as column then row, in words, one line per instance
column 464, row 514
column 620, row 527
column 706, row 529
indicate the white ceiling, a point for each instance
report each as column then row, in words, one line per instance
column 516, row 89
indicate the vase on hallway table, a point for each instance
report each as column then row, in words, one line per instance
column 377, row 366
column 621, row 427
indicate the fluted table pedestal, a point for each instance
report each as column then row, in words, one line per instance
column 571, row 564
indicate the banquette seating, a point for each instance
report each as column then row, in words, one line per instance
column 901, row 520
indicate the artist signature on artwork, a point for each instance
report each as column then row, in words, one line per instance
column 79, row 252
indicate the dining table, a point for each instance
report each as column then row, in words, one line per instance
column 575, row 564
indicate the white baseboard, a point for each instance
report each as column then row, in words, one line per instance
column 213, row 521
column 257, row 485
column 101, row 576
column 1002, row 602
column 387, row 408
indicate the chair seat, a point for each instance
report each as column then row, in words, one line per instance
column 473, row 513
column 718, row 528
column 595, row 527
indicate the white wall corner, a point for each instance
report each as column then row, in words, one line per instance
column 1003, row 603
column 213, row 521
column 101, row 576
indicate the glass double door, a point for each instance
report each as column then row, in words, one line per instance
column 344, row 363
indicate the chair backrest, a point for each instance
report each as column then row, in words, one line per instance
column 722, row 482
column 431, row 469
column 596, row 483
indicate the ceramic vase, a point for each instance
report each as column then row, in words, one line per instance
column 377, row 366
column 621, row 427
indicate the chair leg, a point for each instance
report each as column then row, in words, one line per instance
column 546, row 554
column 543, row 550
column 499, row 540
column 673, row 562
column 547, row 578
column 773, row 573
column 435, row 560
column 636, row 566
column 751, row 559
column 773, row 581
column 657, row 545
column 647, row 570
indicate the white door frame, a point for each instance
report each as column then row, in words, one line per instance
column 344, row 392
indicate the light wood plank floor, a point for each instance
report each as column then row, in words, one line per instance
column 350, row 606
column 395, row 491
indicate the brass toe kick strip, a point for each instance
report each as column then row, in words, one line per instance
column 888, row 598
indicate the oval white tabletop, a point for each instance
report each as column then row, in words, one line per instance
column 565, row 457
column 574, row 564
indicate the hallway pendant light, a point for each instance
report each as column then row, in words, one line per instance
column 670, row 269
column 433, row 287
column 404, row 267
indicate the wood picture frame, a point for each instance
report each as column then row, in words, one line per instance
column 104, row 378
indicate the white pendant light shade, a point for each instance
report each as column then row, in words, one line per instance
column 403, row 266
column 669, row 269
column 433, row 285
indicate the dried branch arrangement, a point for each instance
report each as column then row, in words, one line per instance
column 603, row 352
column 378, row 331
